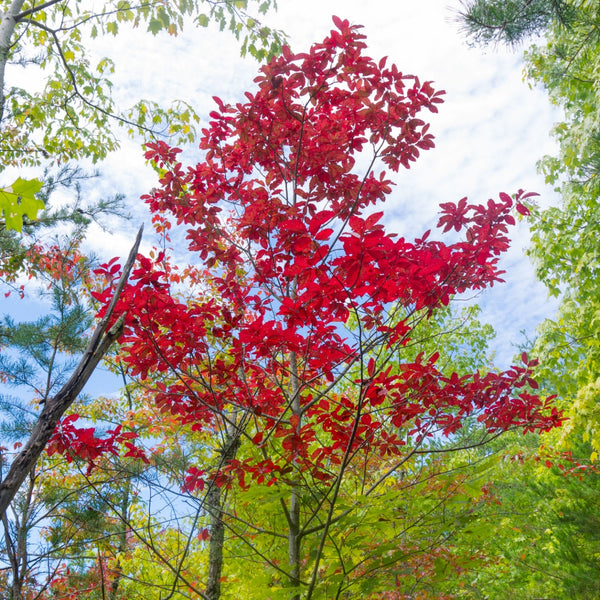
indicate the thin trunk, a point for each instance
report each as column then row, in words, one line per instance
column 8, row 22
column 22, row 533
column 293, row 515
column 294, row 540
column 124, row 511
column 16, row 549
column 214, row 506
column 122, row 547
column 11, row 554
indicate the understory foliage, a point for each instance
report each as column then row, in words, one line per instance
column 289, row 344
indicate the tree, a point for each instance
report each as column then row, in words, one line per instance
column 496, row 21
column 569, row 69
column 564, row 247
column 37, row 358
column 537, row 534
column 286, row 340
column 71, row 117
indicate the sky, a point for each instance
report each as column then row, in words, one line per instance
column 490, row 131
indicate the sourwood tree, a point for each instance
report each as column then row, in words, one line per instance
column 167, row 553
column 290, row 348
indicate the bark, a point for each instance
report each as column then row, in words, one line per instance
column 123, row 534
column 293, row 515
column 16, row 547
column 8, row 22
column 54, row 408
column 214, row 506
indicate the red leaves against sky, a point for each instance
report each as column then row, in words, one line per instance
column 83, row 443
column 298, row 285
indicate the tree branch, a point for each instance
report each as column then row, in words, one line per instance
column 71, row 76
column 34, row 9
column 54, row 408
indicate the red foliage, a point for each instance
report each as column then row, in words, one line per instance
column 82, row 442
column 301, row 284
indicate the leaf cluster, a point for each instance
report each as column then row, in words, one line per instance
column 72, row 116
column 511, row 22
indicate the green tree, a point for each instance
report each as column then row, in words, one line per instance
column 567, row 258
column 511, row 21
column 565, row 237
column 538, row 534
column 56, row 266
column 72, row 116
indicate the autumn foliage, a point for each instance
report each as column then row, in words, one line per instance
column 287, row 328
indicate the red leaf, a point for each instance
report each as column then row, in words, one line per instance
column 371, row 367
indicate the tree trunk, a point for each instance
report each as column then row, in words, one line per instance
column 8, row 22
column 293, row 515
column 214, row 506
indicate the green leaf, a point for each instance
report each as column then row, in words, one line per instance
column 18, row 200
column 154, row 26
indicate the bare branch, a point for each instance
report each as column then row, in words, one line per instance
column 55, row 407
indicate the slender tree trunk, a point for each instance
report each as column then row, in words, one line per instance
column 12, row 556
column 122, row 547
column 117, row 572
column 294, row 540
column 16, row 548
column 294, row 510
column 214, row 506
column 8, row 23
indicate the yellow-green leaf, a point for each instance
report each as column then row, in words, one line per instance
column 19, row 200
